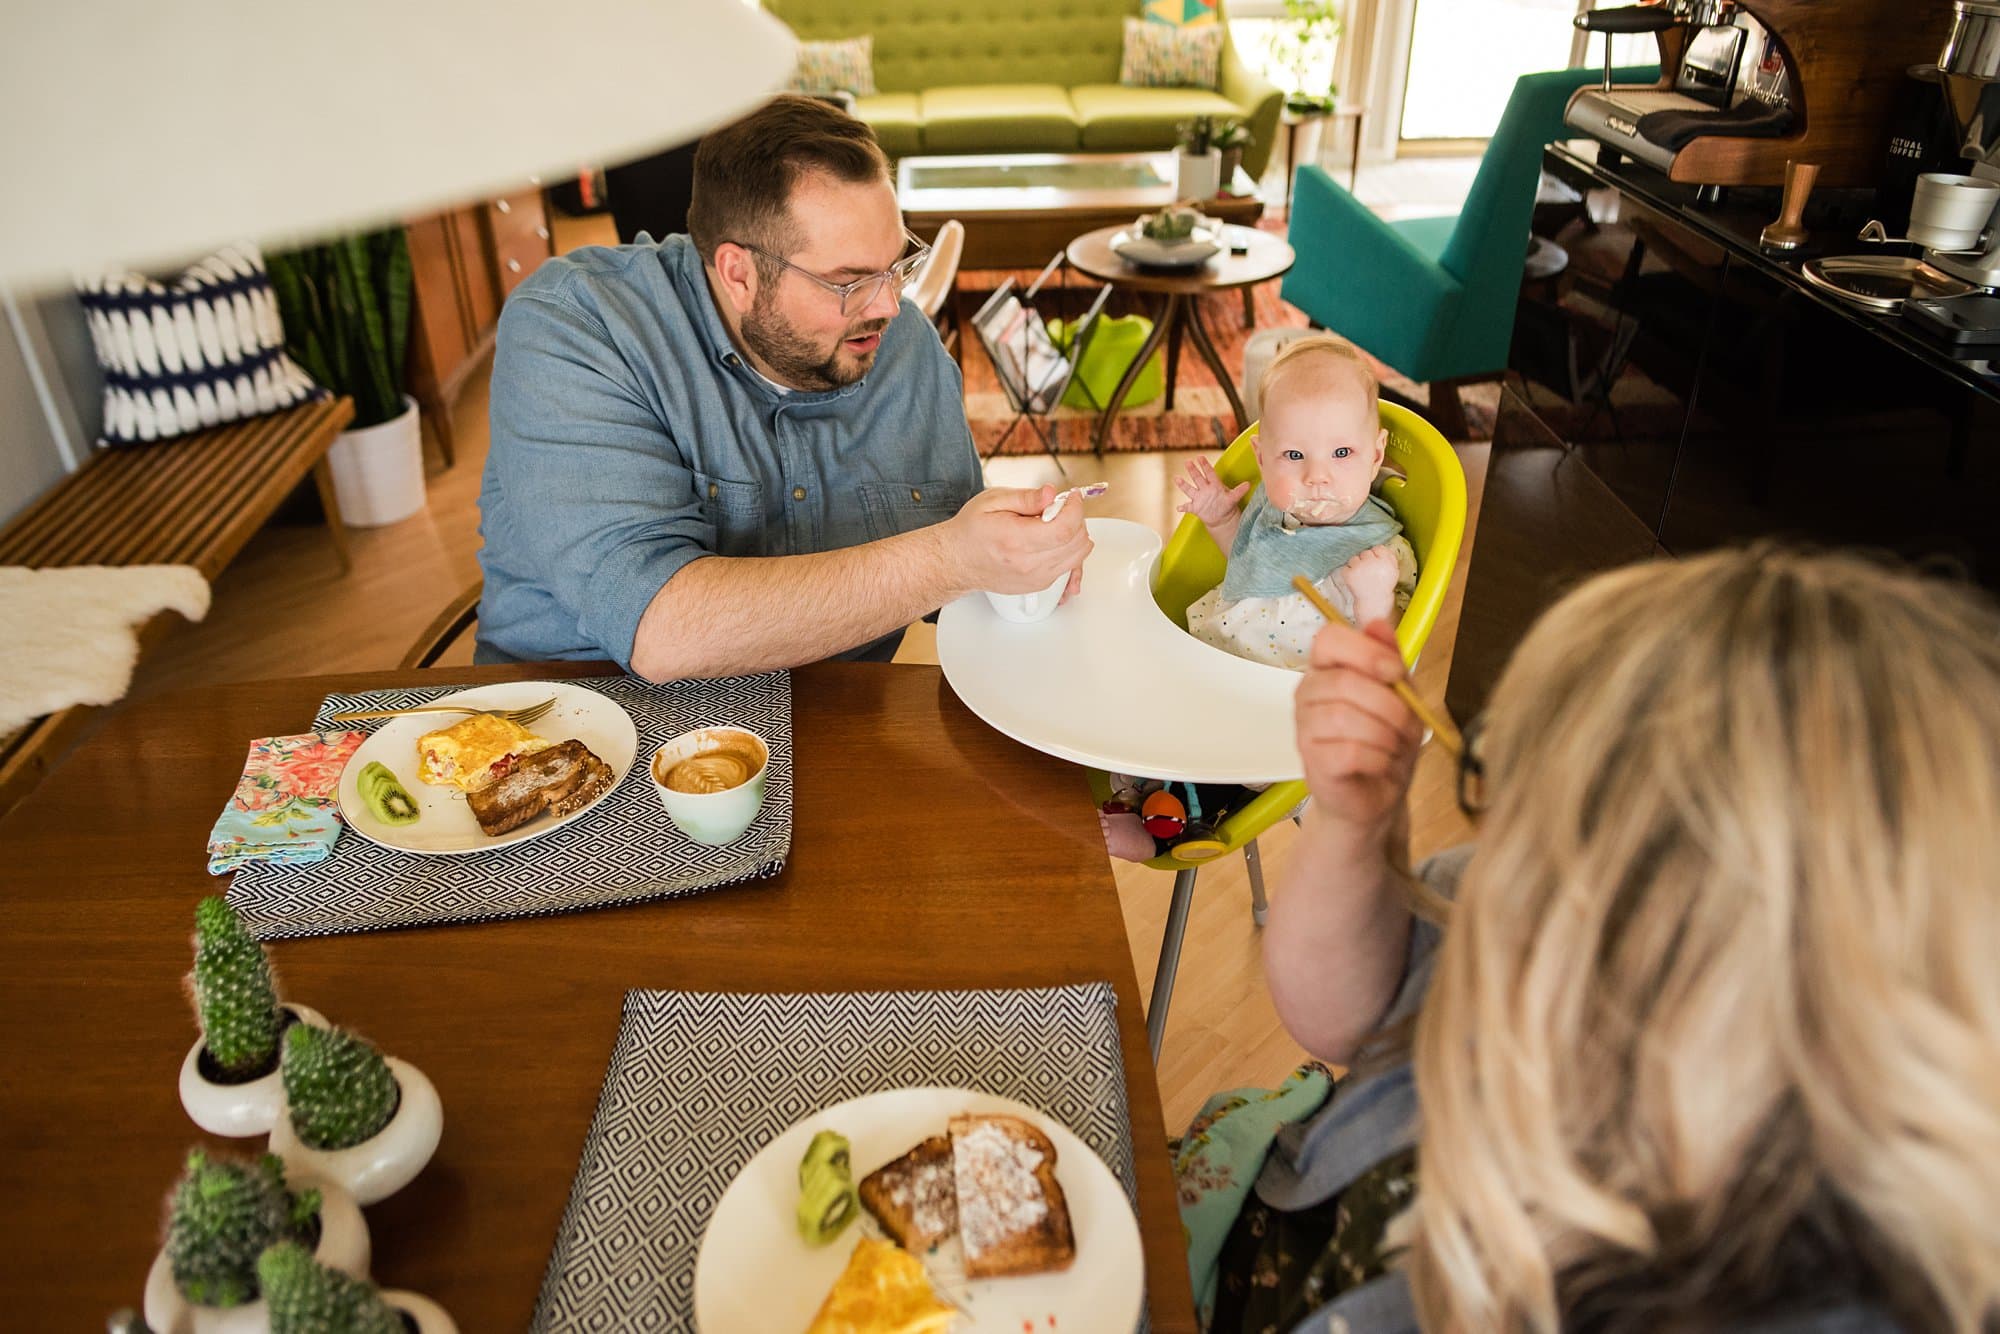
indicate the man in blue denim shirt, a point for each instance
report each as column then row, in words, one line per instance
column 725, row 453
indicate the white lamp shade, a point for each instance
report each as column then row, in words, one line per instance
column 141, row 132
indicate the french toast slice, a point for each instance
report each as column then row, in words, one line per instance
column 1012, row 1216
column 563, row 778
column 913, row 1197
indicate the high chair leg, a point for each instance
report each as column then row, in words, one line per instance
column 1260, row 907
column 1170, row 960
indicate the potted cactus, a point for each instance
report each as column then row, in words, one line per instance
column 222, row 1215
column 352, row 1115
column 229, row 1081
column 306, row 1297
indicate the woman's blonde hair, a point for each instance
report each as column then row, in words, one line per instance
column 1716, row 1020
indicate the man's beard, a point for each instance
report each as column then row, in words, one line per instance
column 792, row 355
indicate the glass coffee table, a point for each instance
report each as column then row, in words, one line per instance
column 1021, row 209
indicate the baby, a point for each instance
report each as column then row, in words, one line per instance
column 1319, row 448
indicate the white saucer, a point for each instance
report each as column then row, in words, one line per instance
column 1109, row 681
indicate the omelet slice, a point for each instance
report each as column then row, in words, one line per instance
column 883, row 1290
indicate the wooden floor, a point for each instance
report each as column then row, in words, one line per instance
column 284, row 608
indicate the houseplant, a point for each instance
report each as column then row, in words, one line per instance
column 306, row 1297
column 222, row 1215
column 346, row 308
column 229, row 1080
column 1197, row 164
column 1302, row 50
column 352, row 1115
column 1232, row 136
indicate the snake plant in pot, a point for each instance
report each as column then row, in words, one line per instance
column 346, row 308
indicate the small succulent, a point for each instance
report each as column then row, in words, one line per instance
column 235, row 999
column 222, row 1216
column 337, row 1086
column 305, row 1297
column 1176, row 222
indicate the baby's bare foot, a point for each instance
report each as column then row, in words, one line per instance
column 1371, row 576
column 1125, row 836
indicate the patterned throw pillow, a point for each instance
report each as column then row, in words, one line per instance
column 203, row 348
column 846, row 66
column 1160, row 55
column 1181, row 13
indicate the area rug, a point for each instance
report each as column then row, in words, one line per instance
column 1201, row 416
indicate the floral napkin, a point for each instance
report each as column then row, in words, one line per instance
column 283, row 811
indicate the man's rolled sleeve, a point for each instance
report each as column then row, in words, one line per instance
column 604, row 507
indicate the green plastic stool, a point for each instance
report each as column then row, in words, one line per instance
column 1111, row 347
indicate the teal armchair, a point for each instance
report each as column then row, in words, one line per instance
column 1434, row 297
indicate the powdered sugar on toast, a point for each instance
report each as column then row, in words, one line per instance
column 928, row 1199
column 999, row 1195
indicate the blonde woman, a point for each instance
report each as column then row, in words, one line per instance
column 1707, row 1028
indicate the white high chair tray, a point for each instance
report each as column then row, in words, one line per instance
column 1109, row 681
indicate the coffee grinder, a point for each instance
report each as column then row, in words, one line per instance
column 1952, row 216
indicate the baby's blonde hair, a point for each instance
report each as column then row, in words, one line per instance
column 1319, row 348
column 1717, row 1008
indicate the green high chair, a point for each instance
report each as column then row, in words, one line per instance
column 1424, row 484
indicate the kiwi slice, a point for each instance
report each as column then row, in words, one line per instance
column 827, row 1203
column 386, row 798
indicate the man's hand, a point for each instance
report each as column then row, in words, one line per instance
column 1357, row 738
column 999, row 544
column 1207, row 498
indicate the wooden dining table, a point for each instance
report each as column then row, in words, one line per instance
column 928, row 852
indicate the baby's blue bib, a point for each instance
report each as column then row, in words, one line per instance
column 1265, row 554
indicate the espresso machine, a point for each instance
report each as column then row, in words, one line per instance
column 1956, row 218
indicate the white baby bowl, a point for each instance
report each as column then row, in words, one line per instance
column 1027, row 608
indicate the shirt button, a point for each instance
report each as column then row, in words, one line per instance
column 916, row 495
column 798, row 493
column 713, row 490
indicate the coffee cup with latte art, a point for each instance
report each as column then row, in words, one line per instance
column 711, row 782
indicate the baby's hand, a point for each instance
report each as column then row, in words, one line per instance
column 1371, row 576
column 1207, row 498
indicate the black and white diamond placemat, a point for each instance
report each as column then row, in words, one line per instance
column 623, row 850
column 699, row 1082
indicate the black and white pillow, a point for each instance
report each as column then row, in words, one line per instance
column 194, row 351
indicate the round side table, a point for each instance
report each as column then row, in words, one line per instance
column 1266, row 257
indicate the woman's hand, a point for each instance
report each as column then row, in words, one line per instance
column 1207, row 498
column 1358, row 739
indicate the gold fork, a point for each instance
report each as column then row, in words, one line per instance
column 522, row 716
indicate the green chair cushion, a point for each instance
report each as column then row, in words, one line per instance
column 998, row 118
column 897, row 121
column 1116, row 119
column 1429, row 235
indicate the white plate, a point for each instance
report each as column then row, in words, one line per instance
column 1109, row 681
column 1201, row 245
column 447, row 826
column 753, row 1273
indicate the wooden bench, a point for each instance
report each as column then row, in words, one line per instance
column 192, row 501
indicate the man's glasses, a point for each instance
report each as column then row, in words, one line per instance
column 861, row 293
column 1471, row 772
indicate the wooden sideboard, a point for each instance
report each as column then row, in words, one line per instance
column 464, row 262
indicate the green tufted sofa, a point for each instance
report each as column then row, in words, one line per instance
column 1022, row 76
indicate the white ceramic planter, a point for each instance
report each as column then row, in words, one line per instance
column 378, row 471
column 380, row 1166
column 343, row 1245
column 236, row 1110
column 430, row 1318
column 1197, row 176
